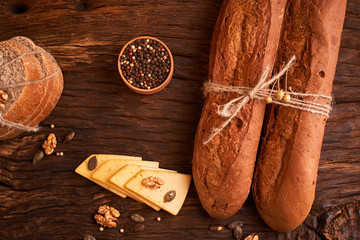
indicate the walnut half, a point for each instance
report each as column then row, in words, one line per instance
column 152, row 182
column 50, row 144
column 109, row 218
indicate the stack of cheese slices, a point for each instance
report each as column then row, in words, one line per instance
column 124, row 176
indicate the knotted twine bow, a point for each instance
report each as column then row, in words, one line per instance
column 9, row 124
column 261, row 92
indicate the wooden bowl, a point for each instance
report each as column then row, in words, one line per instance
column 152, row 90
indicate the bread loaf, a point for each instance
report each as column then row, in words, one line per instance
column 39, row 84
column 286, row 171
column 244, row 43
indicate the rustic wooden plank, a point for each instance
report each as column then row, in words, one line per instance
column 49, row 201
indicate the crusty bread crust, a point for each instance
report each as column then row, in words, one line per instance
column 244, row 43
column 29, row 97
column 286, row 171
column 47, row 94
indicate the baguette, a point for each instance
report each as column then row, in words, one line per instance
column 244, row 43
column 30, row 104
column 286, row 171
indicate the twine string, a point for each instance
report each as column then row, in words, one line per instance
column 260, row 92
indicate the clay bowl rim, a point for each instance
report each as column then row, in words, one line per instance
column 152, row 90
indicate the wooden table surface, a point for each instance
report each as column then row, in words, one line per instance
column 50, row 201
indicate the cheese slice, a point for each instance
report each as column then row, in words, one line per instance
column 110, row 167
column 125, row 174
column 83, row 170
column 172, row 181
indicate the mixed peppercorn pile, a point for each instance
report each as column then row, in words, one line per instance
column 145, row 63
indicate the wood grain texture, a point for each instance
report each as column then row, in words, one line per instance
column 49, row 201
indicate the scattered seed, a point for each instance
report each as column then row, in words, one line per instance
column 169, row 196
column 92, row 164
column 158, row 219
column 215, row 228
column 137, row 218
column 237, row 232
column 122, row 230
column 52, row 126
column 69, row 137
column 89, row 237
column 4, row 96
column 57, row 154
column 61, row 153
column 138, row 227
column 38, row 156
column 232, row 225
column 101, row 229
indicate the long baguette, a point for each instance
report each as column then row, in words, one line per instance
column 286, row 171
column 244, row 43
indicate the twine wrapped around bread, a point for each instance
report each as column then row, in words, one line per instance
column 260, row 92
column 9, row 124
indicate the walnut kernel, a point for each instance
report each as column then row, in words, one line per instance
column 109, row 218
column 50, row 144
column 152, row 182
column 103, row 222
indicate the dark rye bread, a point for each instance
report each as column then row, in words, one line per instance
column 286, row 171
column 244, row 43
column 45, row 94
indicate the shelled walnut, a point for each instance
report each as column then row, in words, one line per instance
column 152, row 182
column 109, row 218
column 50, row 144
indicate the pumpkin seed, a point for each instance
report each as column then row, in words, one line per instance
column 89, row 237
column 69, row 137
column 215, row 228
column 169, row 196
column 137, row 218
column 237, row 232
column 92, row 164
column 138, row 227
column 234, row 224
column 38, row 156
